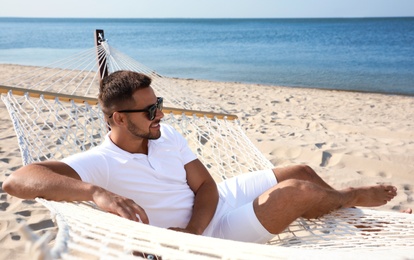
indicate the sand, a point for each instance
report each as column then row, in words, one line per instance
column 350, row 138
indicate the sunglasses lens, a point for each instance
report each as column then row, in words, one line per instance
column 152, row 111
column 159, row 103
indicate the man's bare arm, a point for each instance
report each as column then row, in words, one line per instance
column 57, row 181
column 206, row 197
column 49, row 180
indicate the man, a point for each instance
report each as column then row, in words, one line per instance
column 144, row 171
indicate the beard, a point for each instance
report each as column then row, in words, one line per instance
column 136, row 131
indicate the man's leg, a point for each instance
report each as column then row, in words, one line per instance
column 299, row 172
column 292, row 198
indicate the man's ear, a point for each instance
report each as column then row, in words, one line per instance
column 118, row 118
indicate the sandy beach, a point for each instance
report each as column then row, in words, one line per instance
column 350, row 138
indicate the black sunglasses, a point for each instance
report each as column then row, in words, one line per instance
column 152, row 110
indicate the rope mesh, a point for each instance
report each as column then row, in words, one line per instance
column 52, row 129
column 347, row 232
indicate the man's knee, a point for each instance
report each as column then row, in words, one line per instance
column 301, row 190
column 299, row 172
column 305, row 169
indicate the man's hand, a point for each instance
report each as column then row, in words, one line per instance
column 184, row 230
column 119, row 205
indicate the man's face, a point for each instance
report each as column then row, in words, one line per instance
column 139, row 124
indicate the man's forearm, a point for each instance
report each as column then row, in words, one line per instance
column 57, row 181
column 36, row 180
column 205, row 205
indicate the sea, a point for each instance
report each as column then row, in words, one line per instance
column 364, row 54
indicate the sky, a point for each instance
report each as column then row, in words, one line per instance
column 206, row 8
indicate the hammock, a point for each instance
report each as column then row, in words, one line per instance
column 55, row 114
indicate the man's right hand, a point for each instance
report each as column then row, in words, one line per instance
column 119, row 205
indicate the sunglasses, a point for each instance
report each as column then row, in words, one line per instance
column 151, row 110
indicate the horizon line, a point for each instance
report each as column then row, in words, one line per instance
column 183, row 18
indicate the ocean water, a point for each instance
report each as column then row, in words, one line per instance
column 372, row 54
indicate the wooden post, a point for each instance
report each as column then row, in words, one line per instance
column 102, row 65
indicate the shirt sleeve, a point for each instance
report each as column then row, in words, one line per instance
column 90, row 166
column 187, row 155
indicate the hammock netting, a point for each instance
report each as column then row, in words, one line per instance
column 55, row 114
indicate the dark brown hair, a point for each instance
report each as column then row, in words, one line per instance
column 116, row 90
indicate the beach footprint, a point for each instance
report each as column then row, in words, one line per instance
column 331, row 157
column 4, row 206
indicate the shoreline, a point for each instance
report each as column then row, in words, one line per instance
column 349, row 138
column 298, row 87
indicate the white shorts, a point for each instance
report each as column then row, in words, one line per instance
column 235, row 218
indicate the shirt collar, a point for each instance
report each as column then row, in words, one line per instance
column 113, row 147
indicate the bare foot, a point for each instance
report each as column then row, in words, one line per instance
column 408, row 211
column 371, row 196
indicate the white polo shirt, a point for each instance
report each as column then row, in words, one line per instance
column 157, row 181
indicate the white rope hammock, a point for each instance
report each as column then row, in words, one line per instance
column 55, row 114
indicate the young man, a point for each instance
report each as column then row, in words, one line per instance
column 144, row 171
